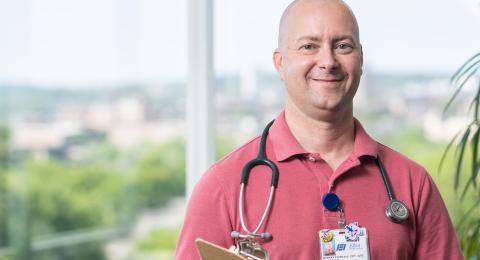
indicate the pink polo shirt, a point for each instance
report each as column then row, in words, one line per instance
column 297, row 213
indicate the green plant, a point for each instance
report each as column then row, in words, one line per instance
column 106, row 188
column 467, row 160
column 159, row 174
column 163, row 239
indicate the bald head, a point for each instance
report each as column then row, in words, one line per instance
column 298, row 7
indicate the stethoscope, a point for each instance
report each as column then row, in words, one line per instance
column 249, row 244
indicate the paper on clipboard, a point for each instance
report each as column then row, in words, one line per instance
column 210, row 251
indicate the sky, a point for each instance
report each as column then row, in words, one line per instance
column 75, row 43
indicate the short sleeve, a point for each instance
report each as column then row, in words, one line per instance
column 206, row 217
column 436, row 237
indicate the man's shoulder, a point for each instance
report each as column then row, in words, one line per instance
column 235, row 160
column 390, row 156
column 224, row 175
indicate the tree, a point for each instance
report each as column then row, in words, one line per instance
column 467, row 159
column 159, row 174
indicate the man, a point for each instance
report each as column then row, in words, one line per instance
column 319, row 148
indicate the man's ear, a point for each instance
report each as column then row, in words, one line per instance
column 278, row 62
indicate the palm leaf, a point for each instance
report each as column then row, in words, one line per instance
column 462, row 221
column 469, row 224
column 458, row 74
column 465, row 189
column 459, row 88
column 473, row 239
column 474, row 143
column 475, row 174
column 461, row 152
column 444, row 155
column 475, row 104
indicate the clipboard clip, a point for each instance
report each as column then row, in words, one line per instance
column 249, row 246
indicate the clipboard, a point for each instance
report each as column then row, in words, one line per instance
column 210, row 251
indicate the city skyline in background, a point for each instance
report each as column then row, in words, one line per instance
column 71, row 44
column 93, row 109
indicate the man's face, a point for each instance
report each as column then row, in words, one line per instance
column 319, row 57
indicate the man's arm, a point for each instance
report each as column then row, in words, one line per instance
column 436, row 237
column 206, row 217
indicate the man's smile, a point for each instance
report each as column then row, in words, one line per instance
column 327, row 80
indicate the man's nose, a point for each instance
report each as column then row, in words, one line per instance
column 326, row 59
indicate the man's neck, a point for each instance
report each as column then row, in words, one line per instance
column 330, row 135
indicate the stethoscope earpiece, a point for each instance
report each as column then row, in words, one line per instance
column 264, row 236
column 235, row 234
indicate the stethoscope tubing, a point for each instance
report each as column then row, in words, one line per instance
column 386, row 181
column 263, row 160
column 260, row 160
column 265, row 213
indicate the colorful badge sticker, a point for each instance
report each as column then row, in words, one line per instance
column 352, row 231
column 326, row 235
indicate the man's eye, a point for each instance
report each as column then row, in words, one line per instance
column 308, row 47
column 344, row 46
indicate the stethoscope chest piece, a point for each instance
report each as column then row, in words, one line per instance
column 396, row 211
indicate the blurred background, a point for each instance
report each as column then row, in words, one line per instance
column 93, row 109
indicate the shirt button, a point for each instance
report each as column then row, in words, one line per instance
column 311, row 158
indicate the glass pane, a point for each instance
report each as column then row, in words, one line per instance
column 410, row 51
column 92, row 142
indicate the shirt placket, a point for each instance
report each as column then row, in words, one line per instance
column 322, row 172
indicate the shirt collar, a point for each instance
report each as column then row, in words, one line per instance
column 364, row 145
column 286, row 146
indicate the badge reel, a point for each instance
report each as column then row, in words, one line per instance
column 332, row 202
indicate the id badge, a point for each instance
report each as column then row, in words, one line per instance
column 350, row 243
